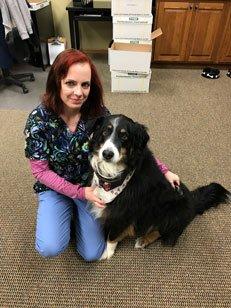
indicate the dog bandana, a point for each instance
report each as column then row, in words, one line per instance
column 103, row 192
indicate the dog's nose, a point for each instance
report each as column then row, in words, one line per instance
column 107, row 154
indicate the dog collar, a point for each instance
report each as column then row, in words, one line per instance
column 109, row 184
column 108, row 195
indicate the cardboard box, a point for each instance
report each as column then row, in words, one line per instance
column 130, row 82
column 55, row 46
column 38, row 4
column 135, row 27
column 131, row 7
column 99, row 4
column 131, row 57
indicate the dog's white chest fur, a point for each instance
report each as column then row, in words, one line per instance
column 107, row 196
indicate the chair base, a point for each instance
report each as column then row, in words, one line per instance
column 10, row 79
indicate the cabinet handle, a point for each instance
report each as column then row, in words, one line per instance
column 190, row 7
column 196, row 7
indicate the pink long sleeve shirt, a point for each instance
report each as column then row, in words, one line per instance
column 41, row 171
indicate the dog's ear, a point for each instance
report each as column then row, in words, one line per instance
column 141, row 136
column 95, row 132
column 140, row 139
column 94, row 124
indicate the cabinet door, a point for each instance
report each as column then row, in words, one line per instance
column 224, row 54
column 174, row 19
column 203, row 31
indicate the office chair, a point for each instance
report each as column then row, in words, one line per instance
column 6, row 62
column 10, row 79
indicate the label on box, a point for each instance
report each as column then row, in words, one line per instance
column 137, row 19
column 123, row 74
column 130, row 82
column 133, row 41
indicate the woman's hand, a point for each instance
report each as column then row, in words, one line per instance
column 173, row 178
column 90, row 196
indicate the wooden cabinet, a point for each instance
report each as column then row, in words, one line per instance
column 203, row 32
column 174, row 18
column 224, row 53
column 192, row 31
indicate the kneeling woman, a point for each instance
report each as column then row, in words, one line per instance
column 57, row 134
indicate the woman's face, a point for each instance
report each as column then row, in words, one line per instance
column 75, row 87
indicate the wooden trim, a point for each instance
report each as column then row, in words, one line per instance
column 187, row 65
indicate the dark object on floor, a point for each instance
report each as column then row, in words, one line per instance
column 229, row 73
column 211, row 73
column 6, row 63
column 10, row 79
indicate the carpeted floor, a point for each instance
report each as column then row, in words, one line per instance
column 189, row 122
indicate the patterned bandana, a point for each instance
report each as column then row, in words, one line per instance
column 105, row 192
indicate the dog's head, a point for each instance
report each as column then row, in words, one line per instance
column 116, row 144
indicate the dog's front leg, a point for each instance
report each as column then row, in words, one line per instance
column 109, row 250
column 111, row 245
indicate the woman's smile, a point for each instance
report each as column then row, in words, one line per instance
column 76, row 100
column 75, row 87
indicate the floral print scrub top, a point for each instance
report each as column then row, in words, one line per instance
column 49, row 138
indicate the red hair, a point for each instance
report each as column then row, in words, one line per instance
column 51, row 99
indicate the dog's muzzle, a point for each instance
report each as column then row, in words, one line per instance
column 108, row 154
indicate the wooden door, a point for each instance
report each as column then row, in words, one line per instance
column 203, row 32
column 224, row 53
column 174, row 19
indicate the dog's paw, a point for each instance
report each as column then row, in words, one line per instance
column 104, row 255
column 139, row 244
column 109, row 251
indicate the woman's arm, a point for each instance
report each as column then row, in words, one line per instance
column 41, row 171
column 163, row 168
column 173, row 178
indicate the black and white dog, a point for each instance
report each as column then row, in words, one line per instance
column 140, row 202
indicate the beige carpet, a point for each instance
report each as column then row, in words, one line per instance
column 189, row 122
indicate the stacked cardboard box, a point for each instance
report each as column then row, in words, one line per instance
column 129, row 56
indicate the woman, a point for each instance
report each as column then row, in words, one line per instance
column 57, row 133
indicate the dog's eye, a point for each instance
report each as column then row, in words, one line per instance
column 123, row 136
column 107, row 131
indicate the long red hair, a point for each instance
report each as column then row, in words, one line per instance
column 51, row 99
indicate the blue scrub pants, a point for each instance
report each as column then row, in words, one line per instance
column 55, row 212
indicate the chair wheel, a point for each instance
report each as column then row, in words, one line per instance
column 25, row 90
column 32, row 78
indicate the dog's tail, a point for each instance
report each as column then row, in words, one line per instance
column 209, row 196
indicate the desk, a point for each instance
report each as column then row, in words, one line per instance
column 77, row 12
